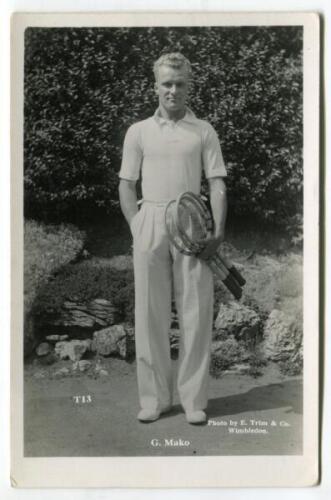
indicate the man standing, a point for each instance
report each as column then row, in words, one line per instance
column 170, row 150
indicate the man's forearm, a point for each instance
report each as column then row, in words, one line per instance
column 218, row 202
column 128, row 199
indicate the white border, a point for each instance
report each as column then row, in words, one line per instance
column 176, row 471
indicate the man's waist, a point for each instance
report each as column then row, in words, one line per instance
column 163, row 202
column 160, row 203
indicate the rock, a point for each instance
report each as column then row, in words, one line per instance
column 174, row 316
column 62, row 372
column 121, row 344
column 238, row 320
column 239, row 369
column 110, row 341
column 97, row 312
column 56, row 338
column 68, row 304
column 45, row 353
column 242, row 368
column 100, row 370
column 43, row 349
column 40, row 374
column 73, row 349
column 282, row 337
column 78, row 318
column 102, row 303
column 98, row 365
column 84, row 365
column 174, row 338
column 85, row 254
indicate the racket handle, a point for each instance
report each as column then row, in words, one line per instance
column 219, row 262
column 217, row 269
column 233, row 287
column 236, row 274
column 232, row 268
column 227, row 279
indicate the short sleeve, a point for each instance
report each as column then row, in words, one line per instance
column 132, row 155
column 212, row 156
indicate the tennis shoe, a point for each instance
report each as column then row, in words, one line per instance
column 149, row 415
column 196, row 417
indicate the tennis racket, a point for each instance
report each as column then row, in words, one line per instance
column 188, row 221
column 204, row 220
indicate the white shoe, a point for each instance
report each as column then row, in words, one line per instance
column 196, row 416
column 147, row 415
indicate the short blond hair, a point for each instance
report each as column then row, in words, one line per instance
column 174, row 60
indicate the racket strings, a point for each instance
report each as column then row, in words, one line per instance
column 172, row 229
column 191, row 225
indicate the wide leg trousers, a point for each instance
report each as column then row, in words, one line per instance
column 159, row 270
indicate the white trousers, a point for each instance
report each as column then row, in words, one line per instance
column 159, row 269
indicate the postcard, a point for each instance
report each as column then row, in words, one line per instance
column 165, row 249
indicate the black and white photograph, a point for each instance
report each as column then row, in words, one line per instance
column 164, row 243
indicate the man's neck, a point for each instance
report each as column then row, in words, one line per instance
column 175, row 116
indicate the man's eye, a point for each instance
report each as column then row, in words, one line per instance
column 177, row 85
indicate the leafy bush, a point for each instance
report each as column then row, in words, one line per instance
column 228, row 353
column 83, row 282
column 292, row 367
column 46, row 249
column 84, row 87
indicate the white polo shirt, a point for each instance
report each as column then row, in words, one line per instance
column 171, row 155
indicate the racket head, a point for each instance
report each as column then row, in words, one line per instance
column 191, row 221
column 202, row 207
column 172, row 230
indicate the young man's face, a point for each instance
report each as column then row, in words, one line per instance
column 172, row 88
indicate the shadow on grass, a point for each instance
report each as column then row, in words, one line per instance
column 267, row 397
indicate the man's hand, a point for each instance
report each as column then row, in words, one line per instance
column 128, row 199
column 210, row 246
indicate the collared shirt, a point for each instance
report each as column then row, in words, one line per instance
column 171, row 155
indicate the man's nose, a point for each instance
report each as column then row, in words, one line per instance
column 173, row 88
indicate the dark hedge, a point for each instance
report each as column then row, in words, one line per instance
column 84, row 87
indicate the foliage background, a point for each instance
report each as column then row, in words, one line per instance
column 84, row 87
